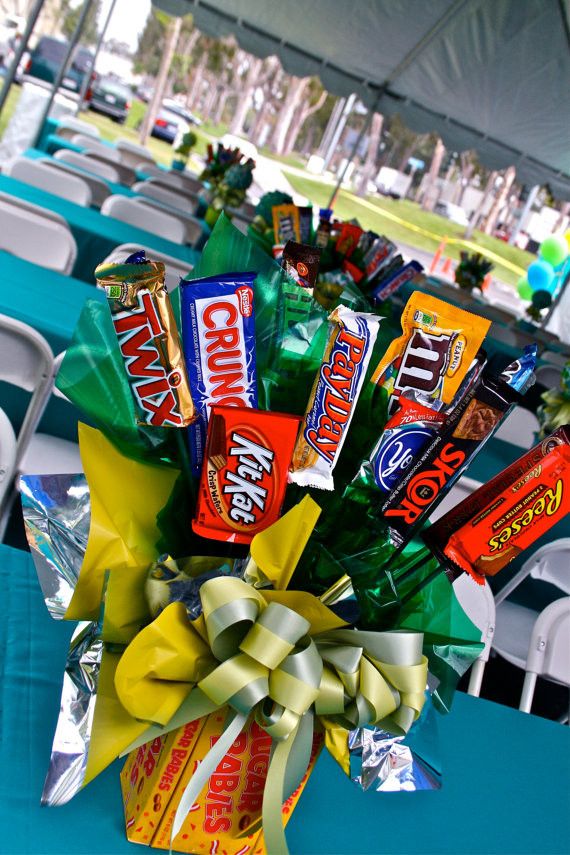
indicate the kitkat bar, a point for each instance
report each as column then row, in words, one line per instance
column 508, row 514
column 244, row 476
column 148, row 340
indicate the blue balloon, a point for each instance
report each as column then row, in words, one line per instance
column 540, row 275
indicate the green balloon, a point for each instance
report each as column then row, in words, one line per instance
column 524, row 289
column 554, row 249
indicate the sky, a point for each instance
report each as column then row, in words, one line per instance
column 127, row 21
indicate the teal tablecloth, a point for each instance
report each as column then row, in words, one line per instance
column 96, row 235
column 505, row 773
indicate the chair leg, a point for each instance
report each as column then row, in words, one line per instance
column 527, row 693
column 476, row 678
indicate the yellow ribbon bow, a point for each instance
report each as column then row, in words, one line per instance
column 276, row 655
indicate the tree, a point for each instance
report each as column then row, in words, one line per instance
column 315, row 97
column 430, row 192
column 172, row 35
column 151, row 44
column 291, row 103
column 70, row 15
column 370, row 165
column 501, row 198
column 248, row 85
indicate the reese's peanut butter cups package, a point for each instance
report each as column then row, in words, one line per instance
column 506, row 515
column 434, row 352
column 333, row 397
column 244, row 476
column 148, row 340
column 218, row 330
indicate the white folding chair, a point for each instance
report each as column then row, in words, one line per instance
column 99, row 189
column 463, row 488
column 126, row 174
column 23, row 204
column 91, row 144
column 178, row 180
column 167, row 195
column 7, row 464
column 155, row 221
column 26, row 361
column 549, row 375
column 240, row 223
column 520, row 428
column 70, row 187
column 36, row 237
column 88, row 164
column 548, row 650
column 479, row 605
column 194, row 227
column 175, row 270
column 69, row 126
column 189, row 198
column 132, row 154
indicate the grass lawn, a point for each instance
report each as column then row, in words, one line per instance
column 405, row 222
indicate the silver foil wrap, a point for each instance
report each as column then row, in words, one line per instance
column 68, row 760
column 387, row 763
column 57, row 513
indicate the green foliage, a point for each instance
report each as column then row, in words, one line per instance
column 151, row 45
column 70, row 16
column 186, row 145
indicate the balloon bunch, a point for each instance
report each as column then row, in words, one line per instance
column 543, row 276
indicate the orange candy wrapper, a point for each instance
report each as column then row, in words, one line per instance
column 494, row 524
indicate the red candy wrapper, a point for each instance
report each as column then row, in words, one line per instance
column 244, row 476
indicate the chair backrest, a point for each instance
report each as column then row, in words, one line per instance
column 240, row 224
column 180, row 181
column 194, row 227
column 91, row 144
column 23, row 204
column 126, row 174
column 479, row 605
column 70, row 187
column 7, row 465
column 89, row 164
column 127, row 210
column 168, row 196
column 549, row 646
column 519, row 428
column 191, row 198
column 551, row 563
column 148, row 168
column 175, row 269
column 69, row 126
column 26, row 361
column 549, row 375
column 99, row 189
column 554, row 358
column 36, row 238
column 247, row 210
column 133, row 154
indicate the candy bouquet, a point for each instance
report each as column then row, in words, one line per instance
column 227, row 175
column 247, row 550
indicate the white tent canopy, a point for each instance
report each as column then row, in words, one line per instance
column 492, row 75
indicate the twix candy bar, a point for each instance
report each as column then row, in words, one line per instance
column 506, row 515
column 244, row 476
column 333, row 397
column 218, row 331
column 148, row 340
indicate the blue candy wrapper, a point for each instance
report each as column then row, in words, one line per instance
column 390, row 284
column 218, row 334
column 520, row 373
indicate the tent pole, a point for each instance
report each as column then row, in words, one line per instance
column 91, row 69
column 359, row 138
column 19, row 52
column 524, row 213
column 339, row 127
column 63, row 68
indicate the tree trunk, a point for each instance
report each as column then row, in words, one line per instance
column 212, row 94
column 370, row 166
column 221, row 105
column 172, row 35
column 289, row 107
column 408, row 152
column 244, row 102
column 300, row 119
column 259, row 121
column 197, row 79
column 502, row 196
column 564, row 211
column 430, row 191
column 477, row 213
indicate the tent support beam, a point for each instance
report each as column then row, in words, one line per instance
column 63, row 68
column 89, row 74
column 409, row 58
column 22, row 47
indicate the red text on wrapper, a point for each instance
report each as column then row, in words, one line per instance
column 137, row 331
column 423, row 489
column 220, row 323
column 335, row 394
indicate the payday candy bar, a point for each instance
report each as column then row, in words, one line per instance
column 148, row 340
column 218, row 331
column 245, row 472
column 434, row 352
column 506, row 515
column 333, row 397
column 301, row 262
column 423, row 485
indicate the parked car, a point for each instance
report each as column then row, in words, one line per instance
column 452, row 212
column 11, row 27
column 111, row 97
column 46, row 60
column 179, row 110
column 170, row 124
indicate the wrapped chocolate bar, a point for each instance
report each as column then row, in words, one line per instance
column 286, row 224
column 493, row 525
column 393, row 280
column 218, row 330
column 301, row 262
column 148, row 340
column 333, row 397
column 245, row 472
